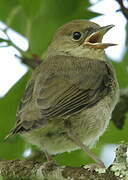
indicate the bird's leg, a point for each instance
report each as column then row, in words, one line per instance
column 48, row 156
column 50, row 163
column 78, row 142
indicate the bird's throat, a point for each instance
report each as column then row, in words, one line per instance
column 89, row 53
column 80, row 51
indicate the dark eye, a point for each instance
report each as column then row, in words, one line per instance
column 77, row 35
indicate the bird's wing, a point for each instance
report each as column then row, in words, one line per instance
column 63, row 86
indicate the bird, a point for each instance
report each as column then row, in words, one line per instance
column 69, row 99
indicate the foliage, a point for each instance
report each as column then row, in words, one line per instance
column 37, row 21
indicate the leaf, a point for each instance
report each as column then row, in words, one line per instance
column 45, row 26
column 13, row 149
column 8, row 9
column 122, row 73
column 125, row 58
column 8, row 105
column 114, row 135
column 38, row 20
column 3, row 40
column 31, row 8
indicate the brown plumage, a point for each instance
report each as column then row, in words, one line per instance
column 69, row 99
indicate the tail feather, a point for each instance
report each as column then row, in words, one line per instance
column 18, row 129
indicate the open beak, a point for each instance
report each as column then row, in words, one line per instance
column 94, row 40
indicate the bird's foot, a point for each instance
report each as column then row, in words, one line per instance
column 95, row 166
column 49, row 165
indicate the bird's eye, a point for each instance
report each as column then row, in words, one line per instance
column 76, row 35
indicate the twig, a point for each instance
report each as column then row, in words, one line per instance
column 10, row 42
column 120, row 164
column 34, row 169
column 123, row 8
column 119, row 113
column 32, row 62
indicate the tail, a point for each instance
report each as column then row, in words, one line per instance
column 18, row 129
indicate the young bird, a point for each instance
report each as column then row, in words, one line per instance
column 70, row 97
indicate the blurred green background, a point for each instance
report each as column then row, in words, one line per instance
column 37, row 21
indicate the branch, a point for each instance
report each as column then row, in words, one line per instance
column 123, row 8
column 34, row 169
column 31, row 62
column 119, row 113
column 9, row 42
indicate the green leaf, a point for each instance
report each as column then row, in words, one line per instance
column 125, row 58
column 114, row 135
column 13, row 15
column 38, row 20
column 1, row 177
column 12, row 149
column 31, row 8
column 3, row 40
column 45, row 26
column 9, row 104
column 7, row 9
column 122, row 73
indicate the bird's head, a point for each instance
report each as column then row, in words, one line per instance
column 79, row 38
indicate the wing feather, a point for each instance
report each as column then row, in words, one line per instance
column 62, row 86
